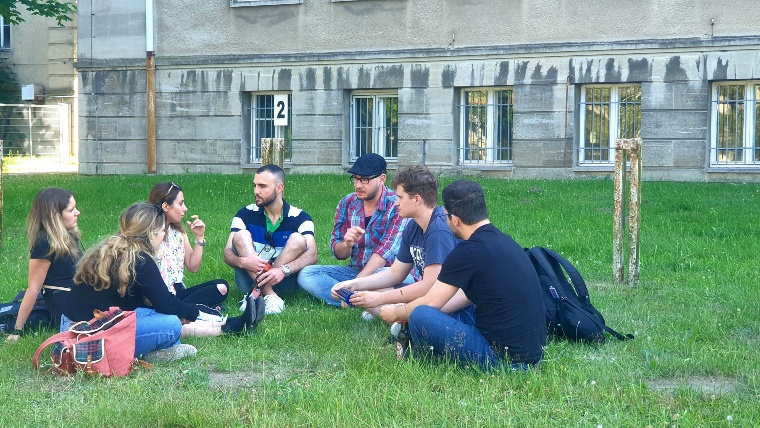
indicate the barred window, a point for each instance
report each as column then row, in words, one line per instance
column 735, row 138
column 261, row 110
column 607, row 112
column 5, row 34
column 487, row 125
column 374, row 125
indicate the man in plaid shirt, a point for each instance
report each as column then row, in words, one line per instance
column 367, row 230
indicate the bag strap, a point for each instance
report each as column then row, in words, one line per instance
column 540, row 257
column 575, row 277
column 51, row 340
column 617, row 335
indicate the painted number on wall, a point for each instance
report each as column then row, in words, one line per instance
column 281, row 110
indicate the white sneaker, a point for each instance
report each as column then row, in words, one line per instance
column 273, row 304
column 395, row 329
column 170, row 354
column 366, row 316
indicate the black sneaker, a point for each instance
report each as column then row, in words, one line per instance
column 258, row 311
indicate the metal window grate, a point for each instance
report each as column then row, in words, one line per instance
column 736, row 118
column 608, row 113
column 262, row 126
column 487, row 126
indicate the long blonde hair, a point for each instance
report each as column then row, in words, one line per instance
column 46, row 219
column 114, row 258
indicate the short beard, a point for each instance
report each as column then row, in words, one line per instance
column 371, row 195
column 267, row 202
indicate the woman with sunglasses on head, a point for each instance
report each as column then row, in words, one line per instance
column 176, row 253
column 121, row 271
column 53, row 251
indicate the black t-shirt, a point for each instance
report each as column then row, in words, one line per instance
column 496, row 275
column 148, row 284
column 61, row 271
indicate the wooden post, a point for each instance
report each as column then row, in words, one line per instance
column 632, row 148
column 273, row 151
column 150, row 68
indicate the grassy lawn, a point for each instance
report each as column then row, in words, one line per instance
column 695, row 314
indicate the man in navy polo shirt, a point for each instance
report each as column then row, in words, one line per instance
column 270, row 221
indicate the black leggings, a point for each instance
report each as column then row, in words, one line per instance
column 206, row 293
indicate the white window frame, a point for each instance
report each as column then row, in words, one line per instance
column 377, row 130
column 252, row 152
column 488, row 146
column 749, row 107
column 247, row 3
column 5, row 39
column 614, row 126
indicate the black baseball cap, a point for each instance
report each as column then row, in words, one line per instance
column 368, row 165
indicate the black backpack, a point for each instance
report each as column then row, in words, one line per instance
column 569, row 312
column 39, row 317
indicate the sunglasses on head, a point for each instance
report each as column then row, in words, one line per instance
column 173, row 185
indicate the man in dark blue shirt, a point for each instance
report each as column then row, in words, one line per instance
column 270, row 221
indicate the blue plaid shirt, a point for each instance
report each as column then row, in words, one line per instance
column 382, row 233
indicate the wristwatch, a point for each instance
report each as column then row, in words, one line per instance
column 285, row 270
column 201, row 243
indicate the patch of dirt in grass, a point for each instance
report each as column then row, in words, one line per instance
column 243, row 379
column 705, row 384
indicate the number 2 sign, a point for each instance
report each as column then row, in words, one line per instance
column 281, row 110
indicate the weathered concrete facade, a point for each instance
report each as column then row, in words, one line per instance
column 212, row 58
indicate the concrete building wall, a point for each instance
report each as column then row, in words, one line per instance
column 211, row 59
column 43, row 53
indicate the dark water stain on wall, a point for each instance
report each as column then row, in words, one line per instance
column 389, row 76
column 673, row 70
column 549, row 78
column 502, row 76
column 571, row 70
column 343, row 80
column 223, row 80
column 611, row 74
column 365, row 78
column 284, row 77
column 419, row 76
column 721, row 70
column 188, row 79
column 448, row 76
column 327, row 78
column 308, row 79
column 520, row 71
column 639, row 70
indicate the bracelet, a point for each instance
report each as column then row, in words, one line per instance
column 200, row 243
column 18, row 332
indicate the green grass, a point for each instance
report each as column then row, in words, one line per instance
column 695, row 314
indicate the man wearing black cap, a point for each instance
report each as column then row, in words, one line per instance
column 367, row 230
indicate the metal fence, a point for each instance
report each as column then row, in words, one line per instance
column 36, row 137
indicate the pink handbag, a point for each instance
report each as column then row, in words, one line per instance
column 104, row 345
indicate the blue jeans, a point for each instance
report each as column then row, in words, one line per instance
column 318, row 280
column 453, row 336
column 153, row 330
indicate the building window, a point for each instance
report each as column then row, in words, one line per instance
column 735, row 124
column 260, row 110
column 487, row 125
column 245, row 3
column 374, row 125
column 607, row 113
column 5, row 37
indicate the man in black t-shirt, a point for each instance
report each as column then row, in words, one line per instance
column 495, row 274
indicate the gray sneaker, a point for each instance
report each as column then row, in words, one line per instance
column 170, row 354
